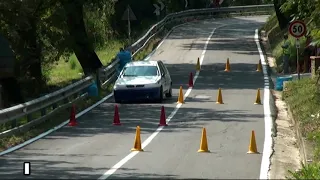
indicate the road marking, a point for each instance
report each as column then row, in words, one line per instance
column 268, row 123
column 26, row 168
column 165, row 37
column 153, row 135
column 14, row 148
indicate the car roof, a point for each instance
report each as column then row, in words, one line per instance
column 142, row 63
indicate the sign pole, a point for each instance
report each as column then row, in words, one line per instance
column 297, row 29
column 129, row 28
column 298, row 64
column 128, row 16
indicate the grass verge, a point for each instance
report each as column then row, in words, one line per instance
column 67, row 70
column 303, row 98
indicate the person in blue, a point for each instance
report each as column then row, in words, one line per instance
column 124, row 57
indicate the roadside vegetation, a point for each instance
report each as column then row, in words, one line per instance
column 303, row 97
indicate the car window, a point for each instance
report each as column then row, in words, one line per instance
column 161, row 68
column 164, row 67
column 140, row 71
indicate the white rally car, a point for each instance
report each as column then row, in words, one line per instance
column 143, row 80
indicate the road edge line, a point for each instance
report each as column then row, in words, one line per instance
column 145, row 143
column 165, row 37
column 268, row 123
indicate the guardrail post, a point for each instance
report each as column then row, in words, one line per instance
column 13, row 123
column 66, row 100
column 29, row 117
column 43, row 111
column 98, row 82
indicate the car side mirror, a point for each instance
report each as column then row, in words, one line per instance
column 162, row 75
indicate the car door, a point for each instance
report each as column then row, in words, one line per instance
column 163, row 78
column 167, row 76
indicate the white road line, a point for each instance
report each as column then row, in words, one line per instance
column 14, row 148
column 267, row 147
column 165, row 37
column 153, row 135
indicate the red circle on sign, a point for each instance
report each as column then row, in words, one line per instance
column 294, row 23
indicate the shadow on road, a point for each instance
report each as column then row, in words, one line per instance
column 188, row 30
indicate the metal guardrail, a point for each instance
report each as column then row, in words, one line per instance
column 35, row 111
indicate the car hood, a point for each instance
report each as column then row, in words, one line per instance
column 139, row 80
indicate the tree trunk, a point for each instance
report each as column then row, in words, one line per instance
column 32, row 55
column 283, row 21
column 11, row 93
column 81, row 46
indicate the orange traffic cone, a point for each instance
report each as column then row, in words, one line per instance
column 227, row 66
column 198, row 68
column 252, row 145
column 204, row 142
column 180, row 98
column 137, row 141
column 116, row 117
column 219, row 98
column 259, row 67
column 72, row 121
column 258, row 99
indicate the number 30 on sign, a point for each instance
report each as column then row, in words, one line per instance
column 297, row 28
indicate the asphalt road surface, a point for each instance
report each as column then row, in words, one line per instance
column 95, row 145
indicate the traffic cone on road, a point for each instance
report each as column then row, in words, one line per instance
column 116, row 117
column 204, row 142
column 137, row 141
column 258, row 99
column 198, row 68
column 72, row 121
column 259, row 67
column 163, row 117
column 227, row 66
column 252, row 145
column 219, row 98
column 180, row 98
column 191, row 80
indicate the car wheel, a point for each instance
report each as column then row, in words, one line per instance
column 161, row 95
column 116, row 100
column 169, row 94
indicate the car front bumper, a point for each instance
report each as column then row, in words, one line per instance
column 136, row 94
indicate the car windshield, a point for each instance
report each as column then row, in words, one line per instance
column 140, row 71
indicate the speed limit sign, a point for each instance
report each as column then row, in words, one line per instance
column 297, row 28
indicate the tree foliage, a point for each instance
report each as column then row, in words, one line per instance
column 307, row 10
column 42, row 32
